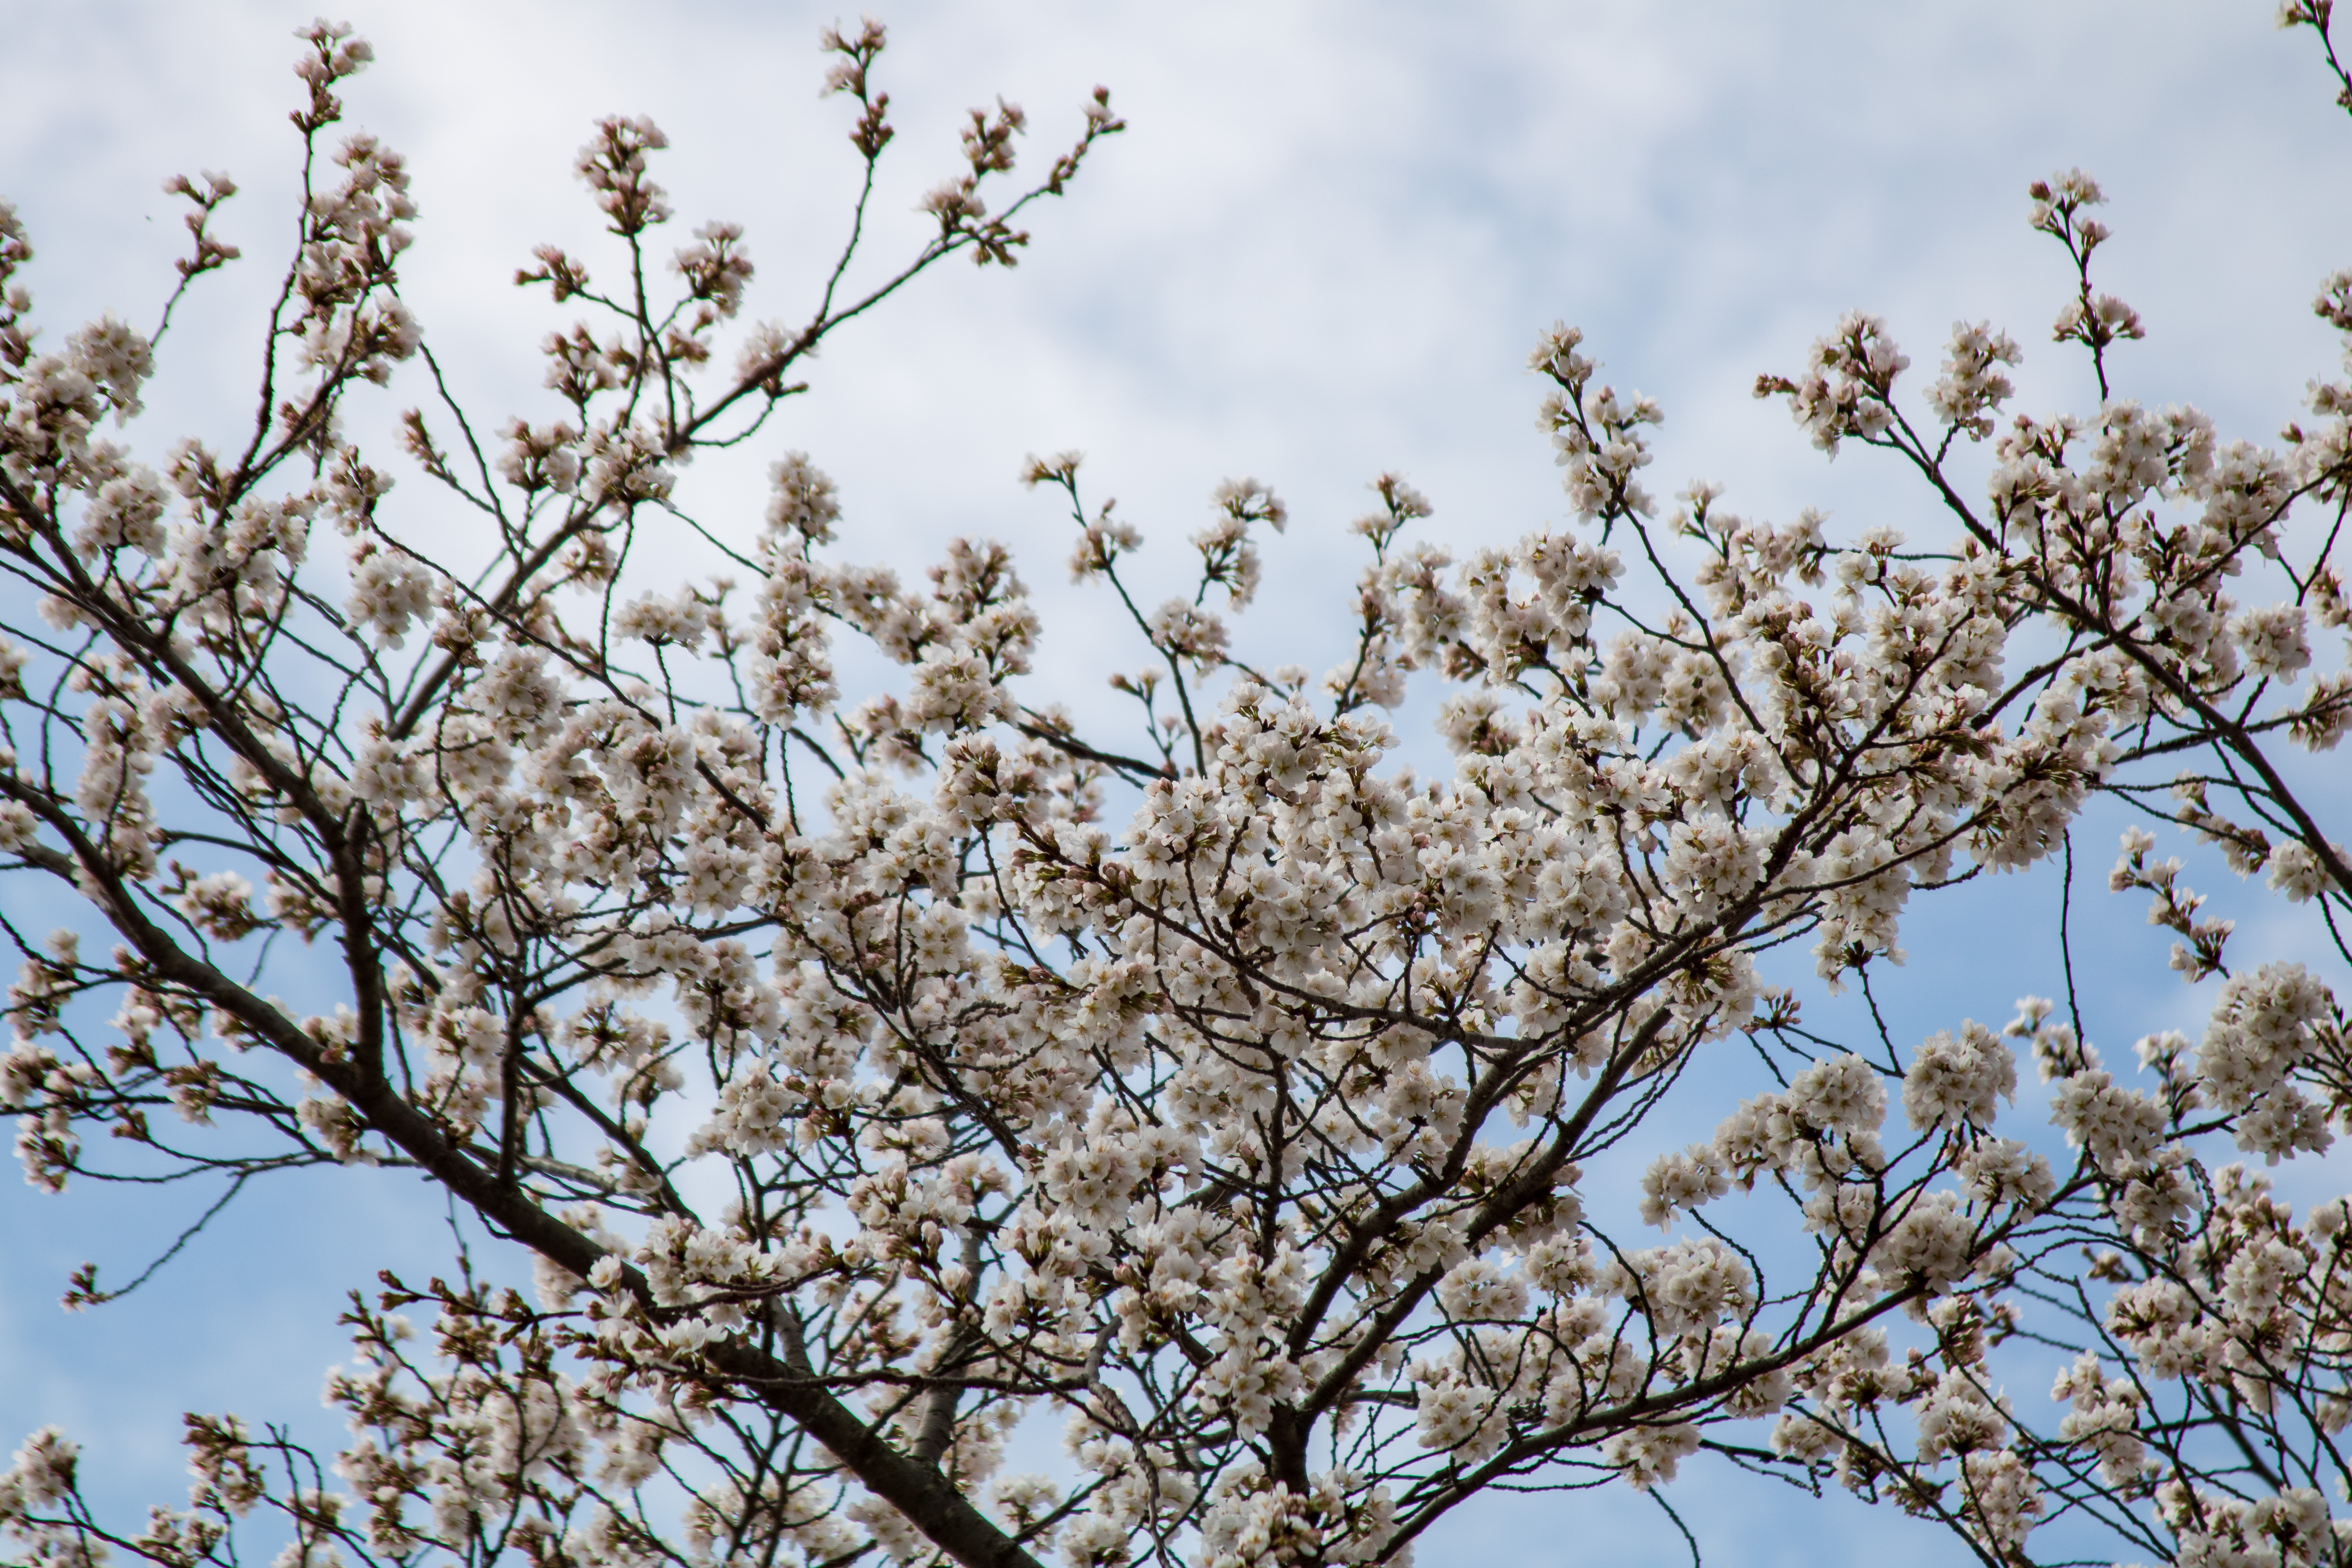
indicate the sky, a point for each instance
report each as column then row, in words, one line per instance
column 1321, row 251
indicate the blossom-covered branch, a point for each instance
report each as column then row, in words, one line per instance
column 870, row 1075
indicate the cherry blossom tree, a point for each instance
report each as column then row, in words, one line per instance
column 876, row 1076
